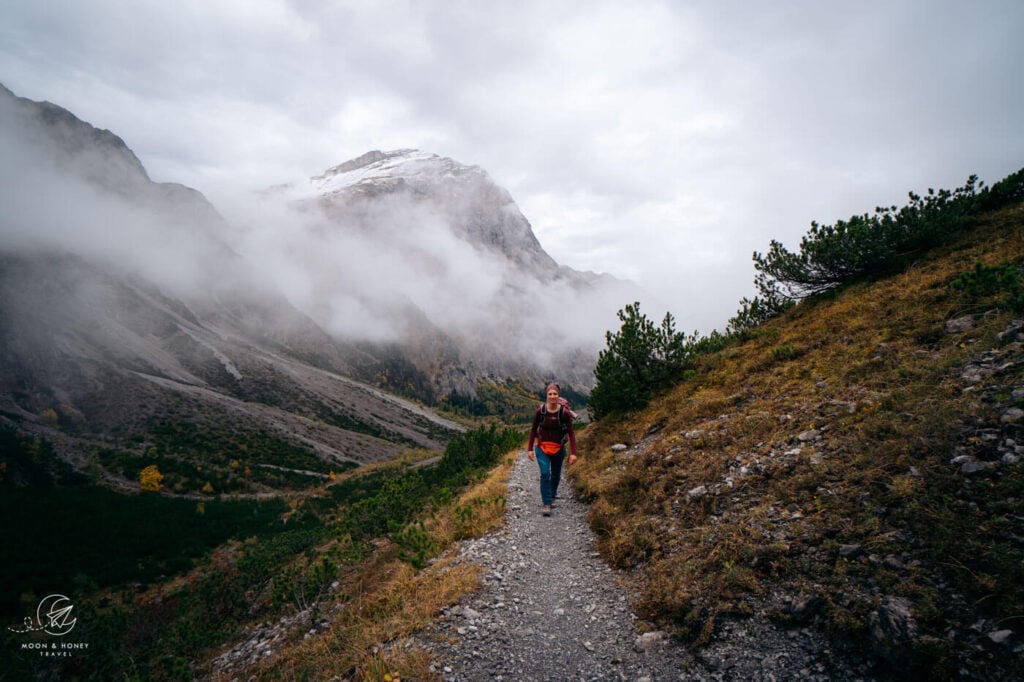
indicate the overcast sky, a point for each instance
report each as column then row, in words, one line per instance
column 658, row 141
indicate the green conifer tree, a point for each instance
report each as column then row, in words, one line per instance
column 640, row 358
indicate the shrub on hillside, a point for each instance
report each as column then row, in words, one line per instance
column 863, row 245
column 754, row 312
column 387, row 505
column 867, row 245
column 643, row 358
column 640, row 358
column 1001, row 281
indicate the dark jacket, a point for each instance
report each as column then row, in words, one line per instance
column 552, row 427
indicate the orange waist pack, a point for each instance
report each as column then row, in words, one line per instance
column 550, row 448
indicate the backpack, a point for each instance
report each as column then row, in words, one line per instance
column 563, row 412
column 563, row 403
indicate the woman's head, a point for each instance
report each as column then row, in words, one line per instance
column 552, row 391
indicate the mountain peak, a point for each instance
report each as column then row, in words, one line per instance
column 367, row 159
column 397, row 168
column 461, row 259
column 474, row 207
column 98, row 155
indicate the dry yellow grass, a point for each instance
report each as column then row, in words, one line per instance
column 477, row 511
column 389, row 600
column 872, row 371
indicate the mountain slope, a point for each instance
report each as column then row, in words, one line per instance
column 129, row 306
column 852, row 466
column 132, row 333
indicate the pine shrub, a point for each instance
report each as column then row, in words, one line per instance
column 868, row 245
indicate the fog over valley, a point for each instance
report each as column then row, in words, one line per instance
column 424, row 241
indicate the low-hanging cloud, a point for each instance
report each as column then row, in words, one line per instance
column 399, row 266
column 50, row 207
column 770, row 114
column 383, row 268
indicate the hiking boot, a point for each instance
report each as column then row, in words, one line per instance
column 547, row 510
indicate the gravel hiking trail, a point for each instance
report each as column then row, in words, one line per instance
column 551, row 609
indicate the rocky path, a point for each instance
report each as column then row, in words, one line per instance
column 550, row 609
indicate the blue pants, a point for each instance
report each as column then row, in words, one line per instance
column 550, row 473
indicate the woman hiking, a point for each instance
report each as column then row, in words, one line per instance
column 552, row 425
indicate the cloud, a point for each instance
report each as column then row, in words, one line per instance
column 51, row 205
column 708, row 127
column 396, row 266
column 379, row 265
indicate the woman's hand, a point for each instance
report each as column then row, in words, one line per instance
column 529, row 453
column 572, row 459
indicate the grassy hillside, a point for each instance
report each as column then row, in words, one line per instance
column 853, row 464
column 178, row 589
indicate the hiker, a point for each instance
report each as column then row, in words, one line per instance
column 552, row 426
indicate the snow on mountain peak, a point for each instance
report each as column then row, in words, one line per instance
column 409, row 165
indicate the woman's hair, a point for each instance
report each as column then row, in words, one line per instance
column 553, row 386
